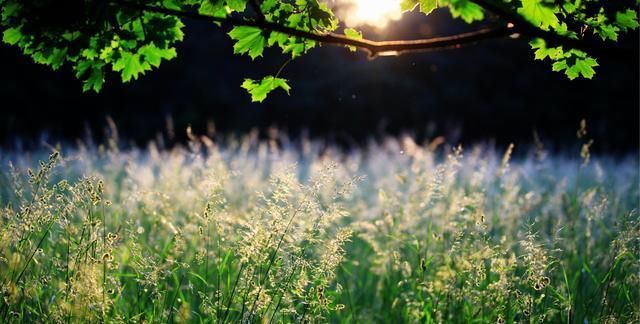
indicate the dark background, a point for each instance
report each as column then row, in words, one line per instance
column 493, row 91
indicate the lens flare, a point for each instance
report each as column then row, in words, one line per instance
column 374, row 13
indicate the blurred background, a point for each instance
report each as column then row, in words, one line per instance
column 489, row 92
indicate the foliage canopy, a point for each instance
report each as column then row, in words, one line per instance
column 131, row 37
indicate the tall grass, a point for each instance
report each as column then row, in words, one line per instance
column 256, row 231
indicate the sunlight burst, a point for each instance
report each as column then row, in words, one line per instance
column 375, row 13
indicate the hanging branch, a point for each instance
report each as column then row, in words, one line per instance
column 374, row 48
column 515, row 26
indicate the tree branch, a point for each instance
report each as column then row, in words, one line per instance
column 374, row 48
column 525, row 27
column 516, row 25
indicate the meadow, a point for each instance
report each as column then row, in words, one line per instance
column 273, row 231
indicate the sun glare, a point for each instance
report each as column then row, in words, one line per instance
column 374, row 13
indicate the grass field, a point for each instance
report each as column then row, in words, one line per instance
column 251, row 231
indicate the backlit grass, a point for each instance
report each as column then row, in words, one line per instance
column 268, row 232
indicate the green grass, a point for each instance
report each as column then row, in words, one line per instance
column 253, row 232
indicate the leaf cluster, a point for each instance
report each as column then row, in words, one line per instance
column 131, row 37
column 93, row 37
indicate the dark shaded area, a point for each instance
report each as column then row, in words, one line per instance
column 494, row 90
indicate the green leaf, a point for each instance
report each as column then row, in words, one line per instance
column 574, row 63
column 95, row 78
column 154, row 55
column 10, row 9
column 569, row 7
column 539, row 14
column 259, row 91
column 277, row 38
column 268, row 5
column 559, row 66
column 353, row 34
column 11, row 36
column 214, row 8
column 466, row 10
column 248, row 40
column 582, row 67
column 608, row 32
column 627, row 19
column 297, row 47
column 321, row 16
column 427, row 6
column 542, row 52
column 563, row 30
column 408, row 5
column 129, row 66
column 171, row 4
column 237, row 5
column 56, row 58
column 577, row 64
